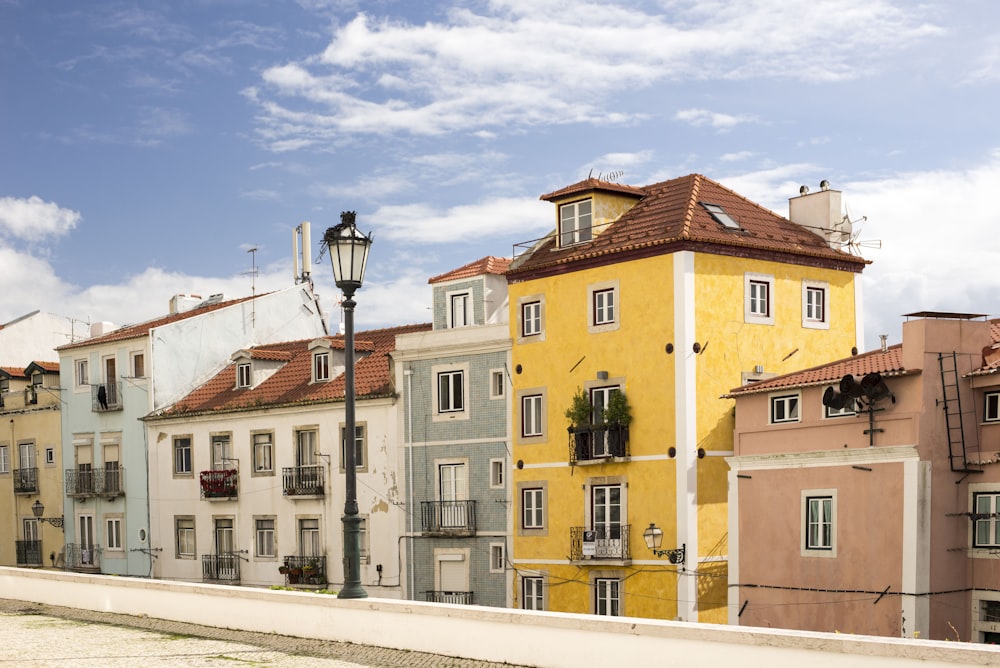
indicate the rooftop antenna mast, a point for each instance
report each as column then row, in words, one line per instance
column 253, row 285
column 301, row 242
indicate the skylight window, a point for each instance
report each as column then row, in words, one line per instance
column 720, row 216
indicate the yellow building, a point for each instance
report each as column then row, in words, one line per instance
column 671, row 294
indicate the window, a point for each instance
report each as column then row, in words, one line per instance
column 359, row 447
column 50, row 455
column 532, row 508
column 531, row 415
column 138, row 365
column 4, row 385
column 113, row 535
column 450, row 393
column 497, row 560
column 222, row 457
column 785, row 408
column 305, row 447
column 36, row 378
column 184, row 531
column 453, row 491
column 458, row 306
column 4, row 459
column 819, row 523
column 604, row 307
column 531, row 593
column 365, row 548
column 264, row 542
column 82, row 375
column 575, row 222
column 991, row 410
column 814, row 306
column 986, row 530
column 243, row 374
column 607, row 596
column 531, row 319
column 759, row 296
column 263, row 452
column 829, row 412
column 497, row 474
column 497, row 384
column 321, row 367
column 309, row 545
column 720, row 216
column 182, row 455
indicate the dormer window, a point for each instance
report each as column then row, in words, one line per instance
column 36, row 378
column 720, row 216
column 243, row 374
column 321, row 366
column 4, row 385
column 575, row 222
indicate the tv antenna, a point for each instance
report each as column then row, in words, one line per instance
column 253, row 284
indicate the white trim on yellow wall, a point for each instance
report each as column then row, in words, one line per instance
column 686, row 436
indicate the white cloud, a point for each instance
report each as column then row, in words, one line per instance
column 496, row 217
column 721, row 122
column 34, row 219
column 738, row 156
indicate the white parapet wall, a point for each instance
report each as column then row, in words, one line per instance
column 543, row 639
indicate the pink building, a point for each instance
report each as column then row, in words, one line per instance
column 864, row 493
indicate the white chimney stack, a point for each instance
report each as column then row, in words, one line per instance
column 820, row 212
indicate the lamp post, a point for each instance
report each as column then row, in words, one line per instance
column 37, row 509
column 349, row 255
column 653, row 535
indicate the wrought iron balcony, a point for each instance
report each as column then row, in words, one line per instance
column 605, row 541
column 83, row 557
column 460, row 597
column 219, row 484
column 304, row 570
column 29, row 552
column 83, row 483
column 303, row 480
column 26, row 481
column 80, row 482
column 448, row 518
column 598, row 441
column 106, row 397
column 220, row 567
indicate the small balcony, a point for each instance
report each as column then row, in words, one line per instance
column 304, row 570
column 106, row 397
column 303, row 480
column 459, row 597
column 603, row 542
column 448, row 518
column 84, row 558
column 29, row 552
column 85, row 483
column 26, row 481
column 80, row 483
column 219, row 484
column 598, row 442
column 220, row 567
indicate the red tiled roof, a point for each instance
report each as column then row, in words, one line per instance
column 991, row 353
column 887, row 363
column 18, row 372
column 487, row 265
column 291, row 383
column 670, row 217
column 142, row 329
column 12, row 371
column 593, row 184
column 46, row 367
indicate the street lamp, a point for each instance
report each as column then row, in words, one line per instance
column 37, row 509
column 349, row 255
column 653, row 535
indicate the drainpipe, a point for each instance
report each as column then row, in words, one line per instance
column 409, row 483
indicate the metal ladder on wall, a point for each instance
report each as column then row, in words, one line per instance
column 952, row 403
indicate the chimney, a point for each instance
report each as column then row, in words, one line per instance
column 820, row 212
column 182, row 303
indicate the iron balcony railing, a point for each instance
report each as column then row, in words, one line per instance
column 83, row 557
column 304, row 570
column 448, row 517
column 605, row 541
column 26, row 481
column 29, row 552
column 460, row 597
column 219, row 484
column 82, row 483
column 220, row 567
column 106, row 397
column 599, row 441
column 303, row 480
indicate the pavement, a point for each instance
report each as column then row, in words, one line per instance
column 44, row 636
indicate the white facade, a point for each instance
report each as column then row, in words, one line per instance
column 35, row 337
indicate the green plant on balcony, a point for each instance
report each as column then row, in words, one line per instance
column 580, row 414
column 617, row 415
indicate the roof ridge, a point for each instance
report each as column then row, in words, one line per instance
column 692, row 201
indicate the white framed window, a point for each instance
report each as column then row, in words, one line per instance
column 531, row 318
column 758, row 305
column 459, row 309
column 532, row 593
column 607, row 596
column 603, row 307
column 451, row 391
column 986, row 515
column 113, row 533
column 82, row 373
column 243, row 378
column 991, row 407
column 263, row 453
column 531, row 415
column 264, row 537
column 533, row 508
column 815, row 312
column 138, row 364
column 575, row 222
column 184, row 544
column 497, row 558
column 819, row 523
column 360, row 451
column 309, row 543
column 321, row 367
column 498, row 384
column 784, row 408
column 182, row 455
column 222, row 453
column 50, row 455
column 498, row 475
column 4, row 459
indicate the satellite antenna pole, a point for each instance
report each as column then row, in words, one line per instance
column 253, row 285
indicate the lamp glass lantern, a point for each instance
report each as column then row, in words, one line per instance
column 653, row 535
column 348, row 253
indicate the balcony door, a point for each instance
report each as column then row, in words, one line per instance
column 30, row 528
column 84, row 469
column 453, row 578
column 453, row 494
column 607, row 520
column 86, row 540
column 309, row 545
column 27, row 476
column 225, row 547
column 599, row 398
column 221, row 455
column 305, row 448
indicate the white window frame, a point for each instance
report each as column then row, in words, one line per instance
column 114, row 533
column 259, row 446
column 832, row 413
column 321, row 367
column 991, row 525
column 532, row 502
column 532, row 415
column 811, row 319
column 532, row 592
column 498, row 384
column 790, row 406
column 179, row 472
column 4, row 458
column 531, row 318
column 360, row 446
column 498, row 473
column 50, row 455
column 752, row 311
column 137, row 363
column 464, row 317
column 450, row 411
column 498, row 558
column 522, row 302
column 244, row 375
column 576, row 222
column 265, row 537
column 608, row 597
column 81, row 372
column 823, row 548
column 598, row 317
column 185, row 537
column 991, row 407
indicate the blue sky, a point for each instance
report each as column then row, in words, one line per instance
column 146, row 146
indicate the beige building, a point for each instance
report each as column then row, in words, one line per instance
column 864, row 493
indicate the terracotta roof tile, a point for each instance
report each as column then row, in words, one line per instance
column 593, row 184
column 11, row 371
column 991, row 353
column 487, row 265
column 291, row 383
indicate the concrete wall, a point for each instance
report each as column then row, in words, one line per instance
column 551, row 640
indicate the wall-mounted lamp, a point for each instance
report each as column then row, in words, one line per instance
column 653, row 536
column 37, row 509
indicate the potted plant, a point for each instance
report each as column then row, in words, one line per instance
column 617, row 415
column 283, row 569
column 294, row 573
column 580, row 414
